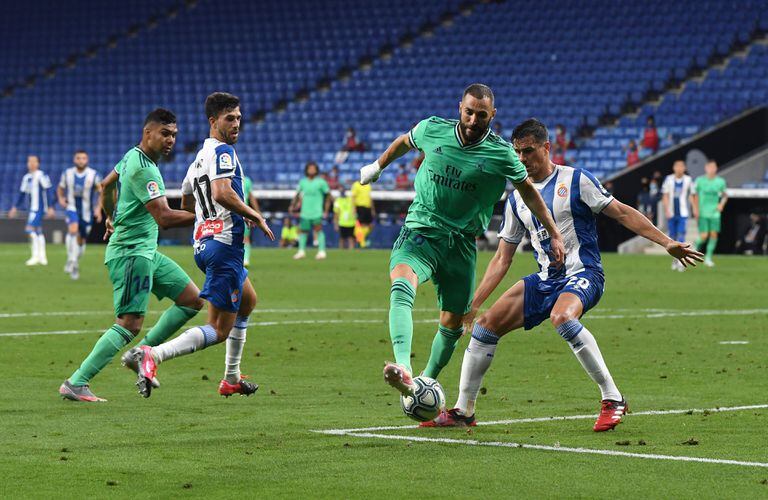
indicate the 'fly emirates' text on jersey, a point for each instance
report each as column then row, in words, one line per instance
column 216, row 160
column 573, row 197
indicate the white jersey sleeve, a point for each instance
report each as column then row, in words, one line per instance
column 668, row 186
column 593, row 194
column 63, row 179
column 45, row 181
column 512, row 231
column 186, row 184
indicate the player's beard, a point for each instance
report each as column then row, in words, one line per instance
column 466, row 131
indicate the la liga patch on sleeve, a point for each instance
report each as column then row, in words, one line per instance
column 225, row 161
column 153, row 189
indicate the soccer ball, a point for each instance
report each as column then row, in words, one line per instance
column 427, row 402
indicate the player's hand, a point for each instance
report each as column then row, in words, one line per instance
column 12, row 212
column 683, row 252
column 469, row 320
column 557, row 251
column 50, row 213
column 325, row 215
column 259, row 222
column 669, row 215
column 97, row 216
column 63, row 202
column 370, row 173
column 108, row 228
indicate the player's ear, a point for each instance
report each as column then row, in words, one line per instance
column 547, row 145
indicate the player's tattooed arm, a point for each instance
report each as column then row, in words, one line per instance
column 225, row 196
column 535, row 203
column 399, row 147
column 166, row 217
column 640, row 225
column 494, row 273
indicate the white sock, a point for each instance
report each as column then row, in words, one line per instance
column 80, row 250
column 41, row 246
column 235, row 343
column 585, row 348
column 194, row 339
column 70, row 242
column 477, row 360
column 33, row 245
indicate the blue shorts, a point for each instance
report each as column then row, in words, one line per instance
column 224, row 273
column 677, row 227
column 541, row 295
column 35, row 219
column 83, row 226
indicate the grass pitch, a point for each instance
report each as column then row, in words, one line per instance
column 316, row 349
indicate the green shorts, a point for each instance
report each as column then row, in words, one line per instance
column 448, row 262
column 709, row 224
column 306, row 225
column 134, row 277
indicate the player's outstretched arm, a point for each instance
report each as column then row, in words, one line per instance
column 166, row 217
column 640, row 225
column 494, row 273
column 400, row 146
column 535, row 203
column 225, row 196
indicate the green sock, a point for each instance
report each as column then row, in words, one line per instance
column 109, row 344
column 443, row 346
column 247, row 256
column 172, row 319
column 401, row 299
column 697, row 243
column 302, row 241
column 711, row 244
column 321, row 241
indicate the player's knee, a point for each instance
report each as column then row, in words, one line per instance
column 569, row 329
column 559, row 317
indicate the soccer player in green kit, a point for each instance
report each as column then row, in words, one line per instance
column 135, row 266
column 315, row 197
column 709, row 199
column 252, row 202
column 464, row 174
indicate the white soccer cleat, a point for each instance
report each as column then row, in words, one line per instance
column 320, row 256
column 34, row 261
column 68, row 266
column 709, row 263
column 398, row 377
column 299, row 255
column 75, row 272
column 43, row 261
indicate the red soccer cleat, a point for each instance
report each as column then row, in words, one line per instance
column 147, row 369
column 451, row 418
column 243, row 387
column 398, row 377
column 610, row 414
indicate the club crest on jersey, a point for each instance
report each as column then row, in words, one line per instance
column 480, row 166
column 225, row 161
column 235, row 296
column 562, row 190
column 153, row 189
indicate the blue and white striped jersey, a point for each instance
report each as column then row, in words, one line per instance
column 573, row 197
column 678, row 191
column 79, row 188
column 216, row 160
column 35, row 185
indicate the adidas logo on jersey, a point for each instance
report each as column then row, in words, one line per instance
column 438, row 150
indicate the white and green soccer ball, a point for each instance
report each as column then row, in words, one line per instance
column 427, row 402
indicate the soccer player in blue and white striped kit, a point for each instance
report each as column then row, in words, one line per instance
column 676, row 192
column 561, row 294
column 76, row 191
column 36, row 186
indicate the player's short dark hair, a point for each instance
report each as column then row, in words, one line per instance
column 220, row 102
column 160, row 115
column 532, row 127
column 479, row 91
column 80, row 152
column 309, row 164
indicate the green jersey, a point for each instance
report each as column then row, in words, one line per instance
column 313, row 193
column 457, row 185
column 710, row 192
column 135, row 228
column 346, row 210
column 247, row 188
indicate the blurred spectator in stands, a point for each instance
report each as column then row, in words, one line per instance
column 498, row 129
column 416, row 163
column 562, row 139
column 651, row 135
column 332, row 178
column 633, row 154
column 345, row 219
column 558, row 154
column 350, row 144
column 753, row 241
column 289, row 236
column 644, row 199
column 655, row 190
column 403, row 180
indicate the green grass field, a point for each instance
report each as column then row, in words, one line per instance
column 317, row 348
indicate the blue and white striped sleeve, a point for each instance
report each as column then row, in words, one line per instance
column 511, row 231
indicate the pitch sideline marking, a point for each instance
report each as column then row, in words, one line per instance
column 725, row 312
column 365, row 433
column 733, row 342
column 551, row 419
